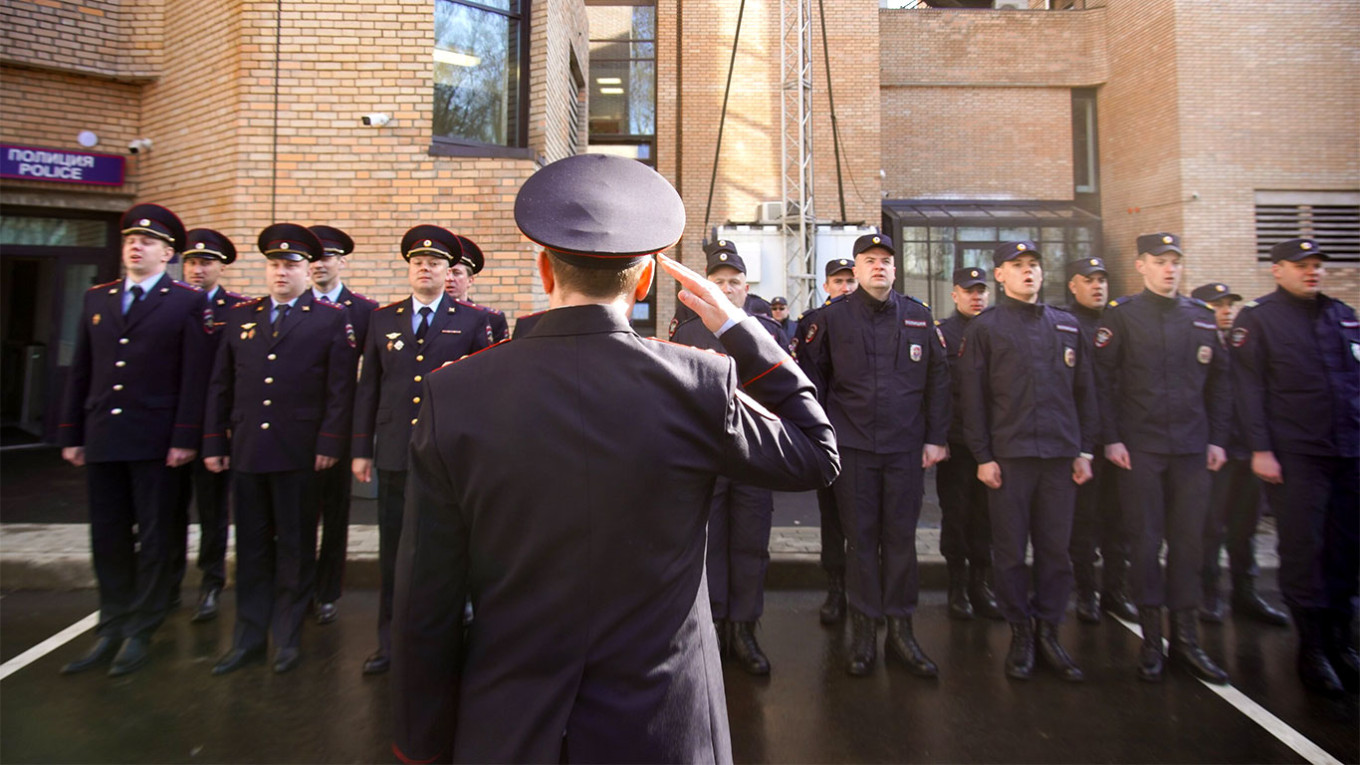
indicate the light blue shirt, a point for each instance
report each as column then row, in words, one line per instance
column 146, row 285
column 416, row 318
column 274, row 314
column 333, row 295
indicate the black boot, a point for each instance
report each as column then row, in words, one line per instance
column 1088, row 607
column 134, row 654
column 1341, row 651
column 981, row 595
column 104, row 649
column 959, row 607
column 902, row 646
column 1020, row 657
column 747, row 651
column 1185, row 648
column 1211, row 603
column 863, row 644
column 1051, row 651
column 1151, row 663
column 1247, row 602
column 1315, row 669
column 833, row 610
column 1115, row 600
column 720, row 626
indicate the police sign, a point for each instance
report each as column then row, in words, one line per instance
column 33, row 163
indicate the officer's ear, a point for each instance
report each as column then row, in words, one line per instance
column 545, row 273
column 644, row 284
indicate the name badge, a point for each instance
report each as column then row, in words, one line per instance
column 1067, row 328
column 1205, row 325
column 913, row 323
column 451, row 331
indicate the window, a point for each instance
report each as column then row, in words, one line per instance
column 480, row 84
column 623, row 78
column 1085, row 157
column 1330, row 217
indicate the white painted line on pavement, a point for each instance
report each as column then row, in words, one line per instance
column 1258, row 714
column 48, row 646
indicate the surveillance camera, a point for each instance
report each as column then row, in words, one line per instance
column 139, row 145
column 376, row 119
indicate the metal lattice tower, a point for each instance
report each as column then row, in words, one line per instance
column 798, row 225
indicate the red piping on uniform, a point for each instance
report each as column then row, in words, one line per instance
column 597, row 255
column 408, row 760
column 762, row 374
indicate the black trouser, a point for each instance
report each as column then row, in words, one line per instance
column 965, row 526
column 879, row 497
column 334, row 495
column 1316, row 517
column 739, row 518
column 1034, row 505
column 275, row 567
column 1234, row 511
column 132, row 507
column 833, row 538
column 391, row 506
column 208, row 491
column 1165, row 497
column 1098, row 524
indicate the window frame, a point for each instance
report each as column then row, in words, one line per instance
column 518, row 148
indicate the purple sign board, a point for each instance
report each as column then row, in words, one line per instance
column 34, row 163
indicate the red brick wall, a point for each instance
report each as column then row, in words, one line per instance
column 110, row 38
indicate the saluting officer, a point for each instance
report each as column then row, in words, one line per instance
column 1165, row 407
column 278, row 414
column 133, row 417
column 563, row 481
column 878, row 361
column 334, row 496
column 740, row 514
column 1030, row 416
column 965, row 528
column 1296, row 362
column 458, row 285
column 1234, row 501
column 1098, row 525
column 408, row 339
column 840, row 281
column 205, row 259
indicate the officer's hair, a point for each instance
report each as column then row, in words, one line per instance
column 595, row 283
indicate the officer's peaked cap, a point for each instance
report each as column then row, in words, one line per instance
column 426, row 239
column 290, row 241
column 209, row 244
column 154, row 220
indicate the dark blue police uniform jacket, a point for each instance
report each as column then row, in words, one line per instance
column 283, row 399
column 360, row 311
column 952, row 330
column 388, row 397
column 563, row 480
column 135, row 388
column 880, row 369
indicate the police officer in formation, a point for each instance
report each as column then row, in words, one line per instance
column 1234, row 501
column 1097, row 529
column 1165, row 406
column 1030, row 415
column 779, row 311
column 1296, row 356
column 132, row 416
column 407, row 341
column 207, row 255
column 278, row 415
column 334, row 490
column 740, row 514
column 840, row 281
column 458, row 285
column 879, row 365
column 965, row 529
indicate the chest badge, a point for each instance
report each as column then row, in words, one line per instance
column 1355, row 351
column 915, row 352
column 248, row 331
column 392, row 340
column 1103, row 337
column 96, row 319
column 1205, row 354
column 1070, row 357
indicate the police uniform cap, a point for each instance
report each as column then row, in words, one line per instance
column 1296, row 249
column 1012, row 250
column 1214, row 291
column 334, row 242
column 290, row 241
column 870, row 241
column 1156, row 244
column 1086, row 267
column 600, row 211
column 426, row 239
column 779, row 300
column 722, row 252
column 839, row 264
column 472, row 255
column 210, row 245
column 154, row 220
column 969, row 277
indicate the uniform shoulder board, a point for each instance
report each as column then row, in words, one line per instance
column 1200, row 303
column 247, row 304
column 363, row 298
column 393, row 305
column 937, row 322
column 1250, row 304
column 329, row 304
column 186, row 285
column 917, row 301
column 105, row 285
column 1120, row 301
column 236, row 295
column 474, row 353
column 465, row 303
column 527, row 315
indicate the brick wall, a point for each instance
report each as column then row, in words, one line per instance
column 109, row 38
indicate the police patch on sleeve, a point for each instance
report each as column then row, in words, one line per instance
column 1103, row 337
column 675, row 322
column 811, row 332
column 209, row 326
column 916, row 352
column 940, row 335
column 1070, row 357
column 1238, row 337
column 350, row 337
column 1205, row 354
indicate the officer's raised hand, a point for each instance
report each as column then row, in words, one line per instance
column 702, row 296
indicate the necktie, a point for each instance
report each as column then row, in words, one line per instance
column 137, row 293
column 279, row 313
column 424, row 327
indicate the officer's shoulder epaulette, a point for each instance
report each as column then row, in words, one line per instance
column 236, row 295
column 937, row 322
column 363, row 298
column 470, row 355
column 105, row 285
column 1064, row 310
column 1251, row 303
column 918, row 301
column 186, row 285
column 529, row 315
column 1200, row 304
column 1121, row 301
column 466, row 304
column 247, row 304
column 393, row 304
column 329, row 304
